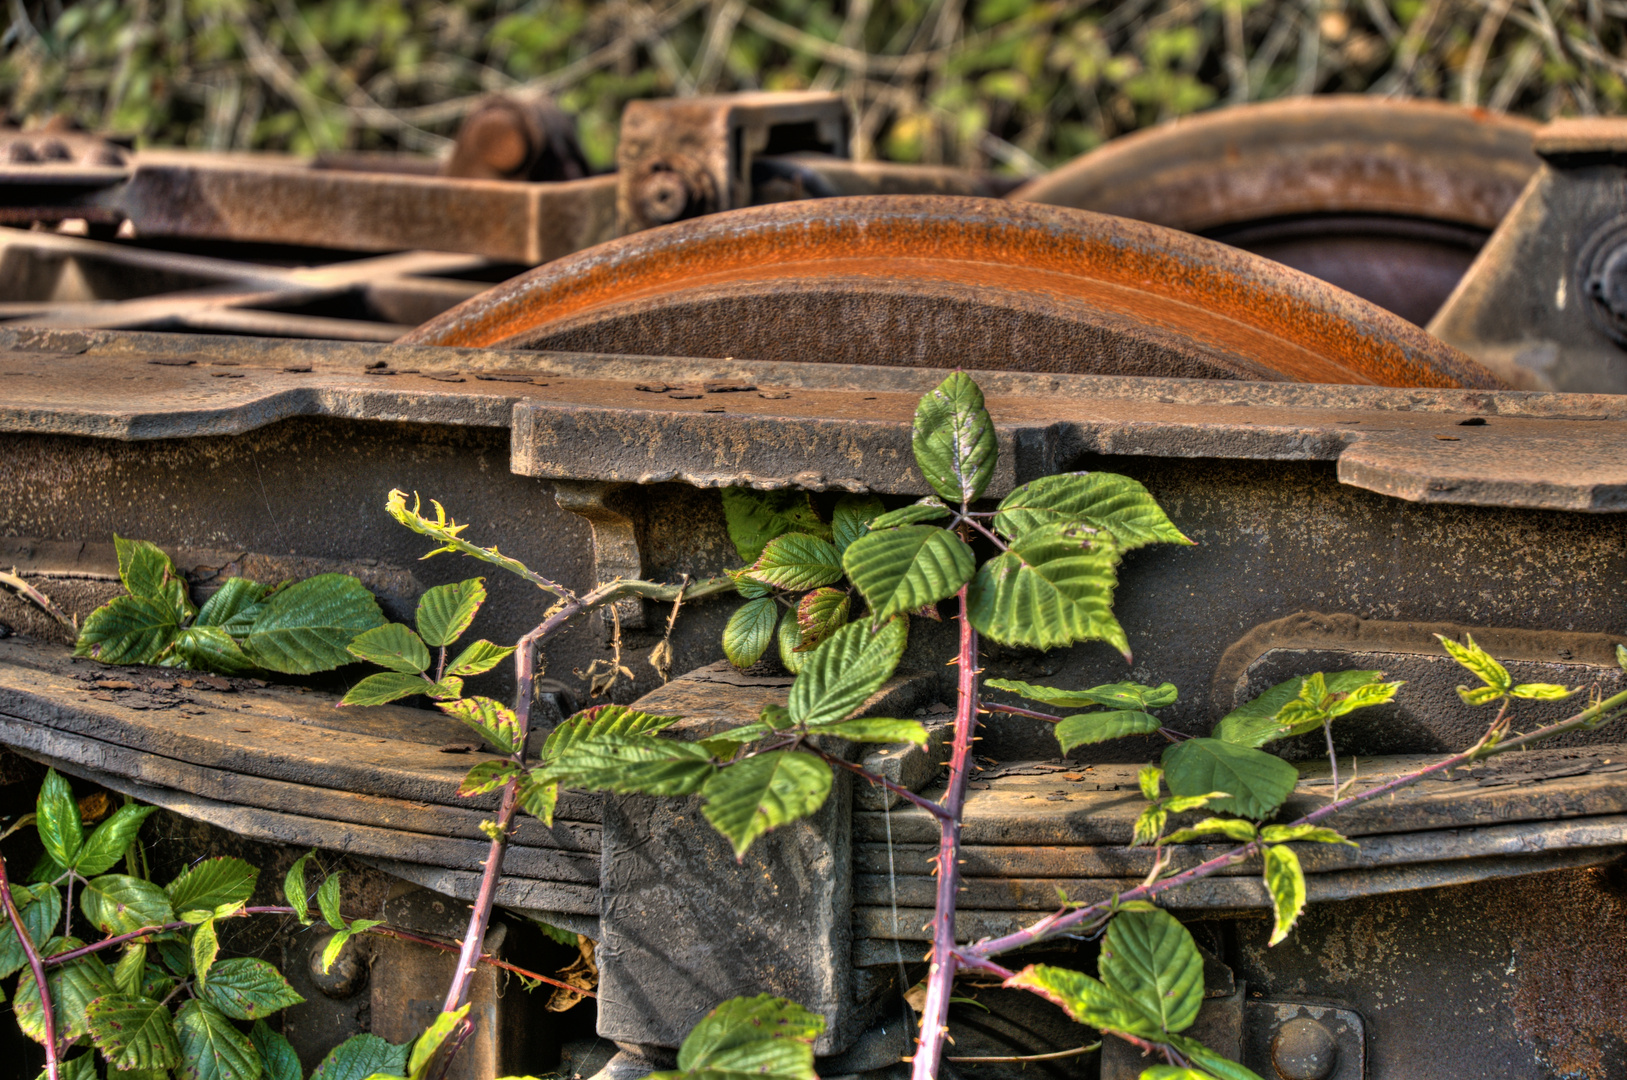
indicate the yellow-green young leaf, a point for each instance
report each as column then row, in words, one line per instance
column 1364, row 697
column 1285, row 881
column 1214, row 1066
column 448, row 689
column 1479, row 662
column 750, row 797
column 1312, row 834
column 1101, row 726
column 819, row 615
column 73, row 986
column 131, row 970
column 335, row 945
column 789, row 638
column 1542, row 691
column 761, row 1036
column 118, row 904
column 1151, row 959
column 929, row 508
column 424, row 1047
column 751, row 590
column 1233, row 828
column 495, row 721
column 384, row 687
column 1149, row 825
column 1180, row 804
column 148, row 572
column 213, row 882
column 876, row 729
column 1256, row 723
column 900, row 570
column 1621, row 657
column 749, row 631
column 843, row 672
column 599, row 722
column 954, row 440
column 362, row 1056
column 538, row 799
column 1089, row 1001
column 631, row 764
column 756, row 517
column 851, row 518
column 308, row 626
column 205, row 947
column 133, row 1032
column 128, row 630
column 1480, row 695
column 488, row 776
column 1148, row 779
column 1054, row 587
column 392, row 646
column 1256, row 783
column 1105, row 500
column 56, row 817
column 445, row 612
column 40, row 916
column 797, row 561
column 212, row 1046
column 1172, row 1072
column 294, row 889
column 1121, row 695
column 480, row 657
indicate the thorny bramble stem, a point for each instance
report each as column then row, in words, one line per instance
column 980, row 527
column 902, row 792
column 1062, row 921
column 46, row 1008
column 1017, row 710
column 941, row 977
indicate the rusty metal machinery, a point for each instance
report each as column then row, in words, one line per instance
column 1339, row 526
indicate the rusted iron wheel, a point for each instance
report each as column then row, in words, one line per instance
column 942, row 281
column 1389, row 200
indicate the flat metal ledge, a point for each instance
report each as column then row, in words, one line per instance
column 720, row 422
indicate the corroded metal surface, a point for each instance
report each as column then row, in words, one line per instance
column 942, row 281
column 510, row 138
column 1389, row 200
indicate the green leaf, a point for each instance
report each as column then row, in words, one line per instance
column 761, row 1036
column 1213, row 1064
column 424, row 1047
column 480, row 657
column 111, row 839
column 1621, row 657
column 876, row 729
column 747, row 588
column 1480, row 695
column 1172, row 1072
column 631, row 764
column 555, row 933
column 384, row 687
column 177, row 957
column 1149, row 825
column 334, row 946
column 361, row 1056
column 1104, row 500
column 128, row 630
column 446, row 611
column 41, row 917
column 1255, row 723
column 276, row 1053
column 1127, row 695
column 1053, row 588
column 488, row 776
column 392, row 646
column 851, row 518
column 233, row 606
column 930, row 508
column 211, row 1045
column 1150, row 958
column 495, row 721
column 131, row 970
column 309, row 626
column 1098, row 727
column 538, row 799
column 1148, row 780
column 73, row 987
column 749, row 631
column 1479, row 662
column 954, row 440
column 247, row 989
column 750, row 797
column 789, row 639
column 327, row 900
column 842, row 673
column 797, row 561
column 1089, row 1001
column 903, row 569
column 211, row 648
column 118, row 904
column 1233, row 828
column 294, row 890
column 1316, row 834
column 819, row 615
column 205, row 947
column 756, row 517
column 147, row 572
column 134, row 1032
column 83, row 1067
column 1285, row 881
column 1255, row 782
column 603, row 721
column 1542, row 691
column 56, row 817
column 1364, row 697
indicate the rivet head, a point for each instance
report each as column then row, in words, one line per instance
column 1304, row 1050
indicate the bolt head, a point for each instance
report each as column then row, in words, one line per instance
column 346, row 977
column 663, row 196
column 1304, row 1049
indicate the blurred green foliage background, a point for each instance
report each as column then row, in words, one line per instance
column 1018, row 85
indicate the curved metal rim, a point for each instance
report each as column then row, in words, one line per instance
column 1325, row 154
column 1215, row 295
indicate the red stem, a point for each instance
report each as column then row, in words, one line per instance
column 1017, row 710
column 34, row 965
column 941, row 977
column 902, row 792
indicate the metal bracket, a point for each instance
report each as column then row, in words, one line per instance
column 1303, row 1042
column 615, row 538
column 684, row 157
